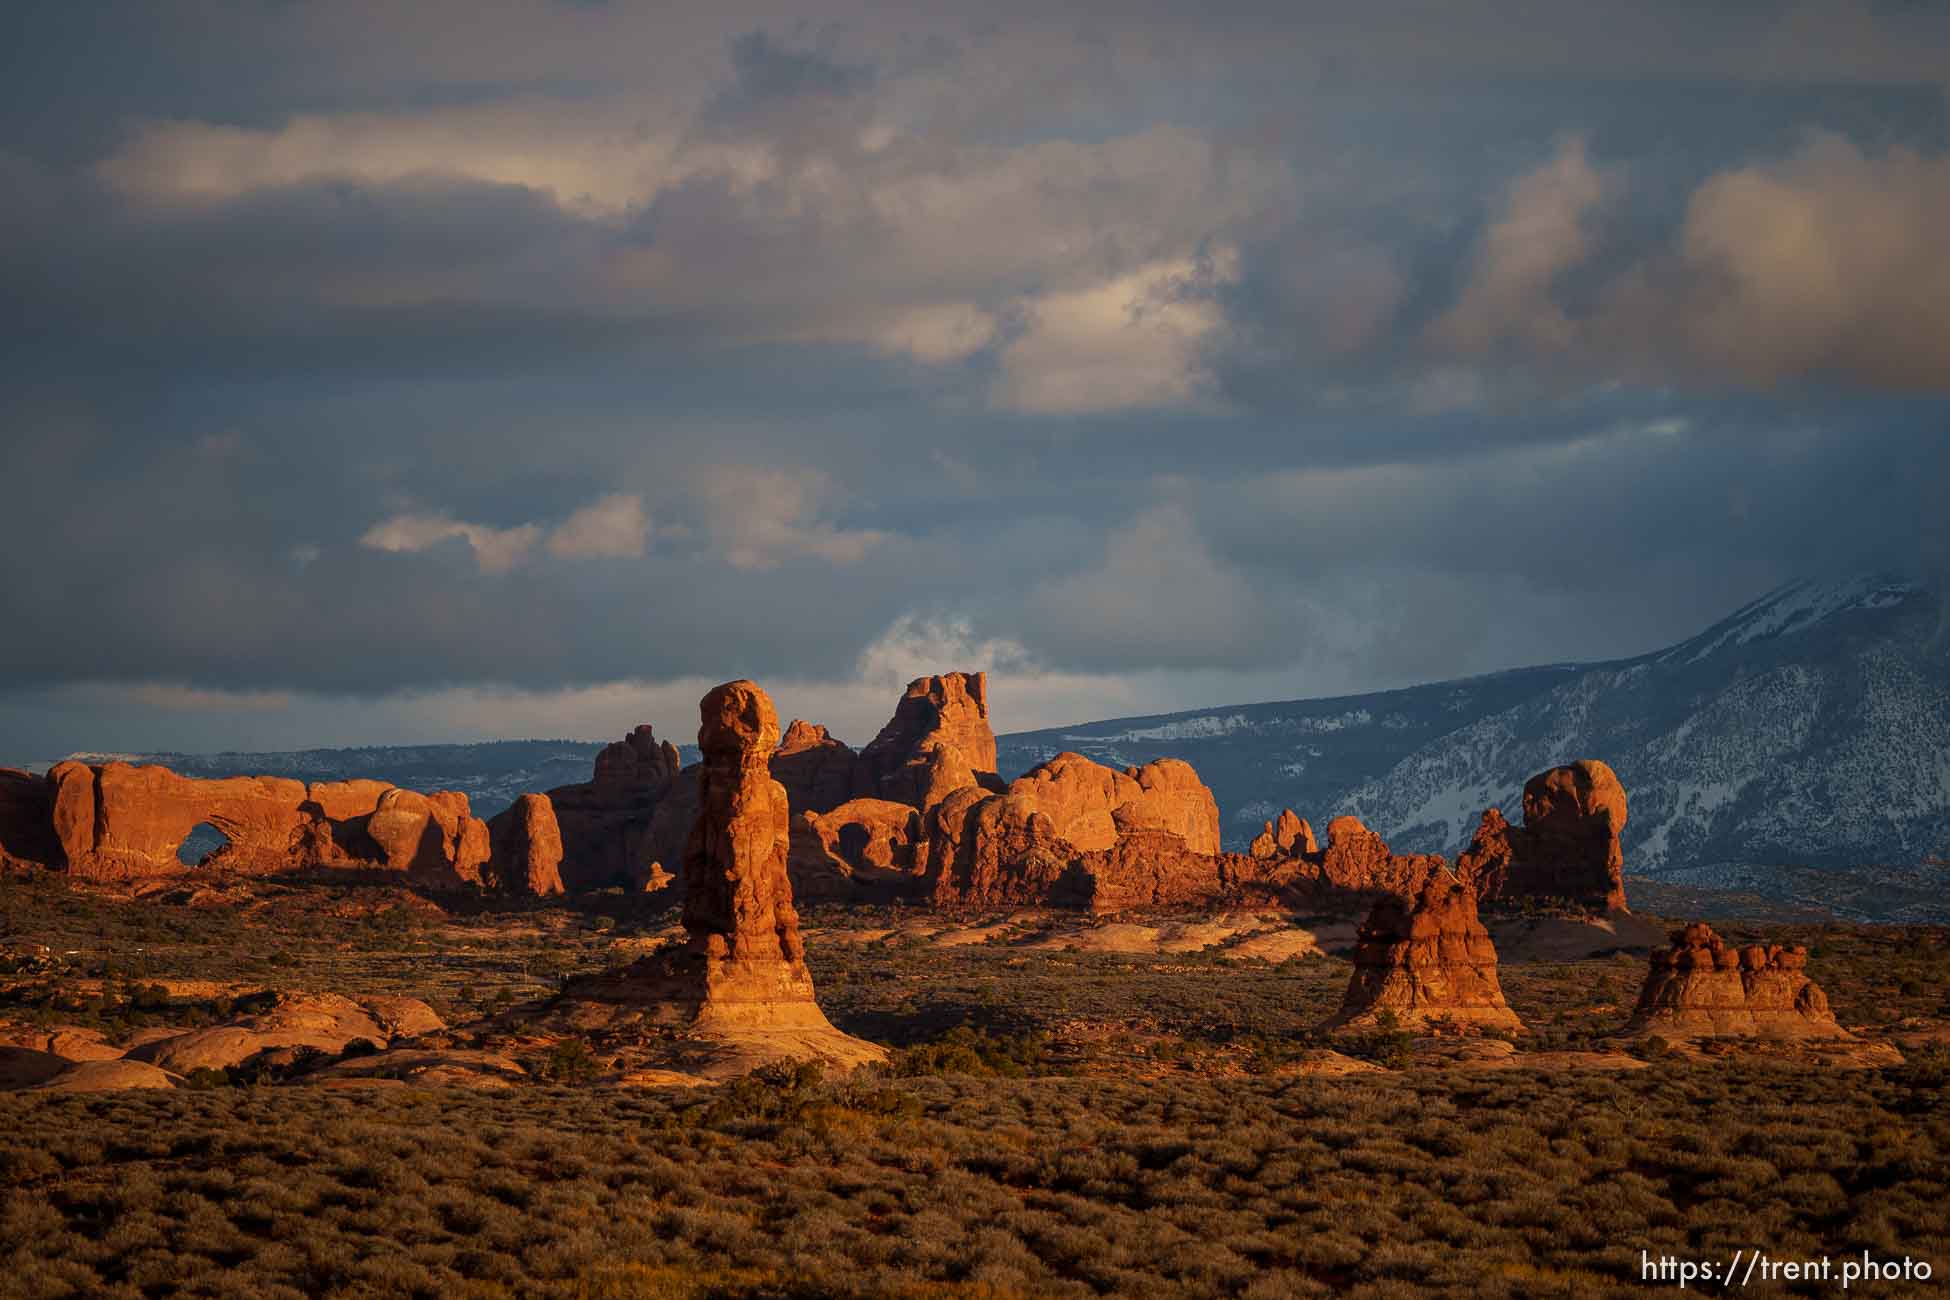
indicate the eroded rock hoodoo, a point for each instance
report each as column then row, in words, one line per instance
column 739, row 980
column 1704, row 987
column 1290, row 836
column 1427, row 960
column 1567, row 846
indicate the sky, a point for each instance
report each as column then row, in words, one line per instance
column 382, row 373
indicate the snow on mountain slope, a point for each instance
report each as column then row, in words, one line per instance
column 1809, row 729
column 1259, row 758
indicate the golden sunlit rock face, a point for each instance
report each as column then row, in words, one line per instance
column 1704, row 987
column 1427, row 960
column 740, row 975
column 1567, row 847
column 526, row 842
column 119, row 821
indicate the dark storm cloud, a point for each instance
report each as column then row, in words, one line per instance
column 616, row 343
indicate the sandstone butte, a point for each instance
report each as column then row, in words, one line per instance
column 1567, row 846
column 736, row 989
column 1427, row 960
column 1704, row 987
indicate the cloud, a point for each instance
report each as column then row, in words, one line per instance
column 615, row 525
column 1162, row 358
column 1161, row 597
column 1827, row 264
column 915, row 645
column 611, row 526
column 1541, row 232
column 1135, row 340
column 1824, row 266
column 597, row 158
column 175, row 697
column 937, row 335
column 496, row 550
column 761, row 517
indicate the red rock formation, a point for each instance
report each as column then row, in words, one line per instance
column 526, row 844
column 1703, row 987
column 74, row 814
column 1427, row 960
column 430, row 837
column 636, row 764
column 863, row 848
column 1028, row 845
column 1359, row 861
column 983, row 849
column 1151, row 868
column 26, row 820
column 1072, row 832
column 744, row 958
column 1171, row 798
column 327, row 1022
column 1289, row 837
column 1091, row 805
column 742, row 970
column 950, row 710
column 816, row 770
column 606, row 822
column 119, row 822
column 1567, row 846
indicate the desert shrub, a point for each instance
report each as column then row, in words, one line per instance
column 964, row 1050
column 569, row 1061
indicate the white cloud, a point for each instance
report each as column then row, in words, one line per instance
column 938, row 334
column 1130, row 341
column 761, row 517
column 916, row 646
column 600, row 158
column 496, row 550
column 612, row 526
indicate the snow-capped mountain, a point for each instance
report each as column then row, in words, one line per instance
column 1809, row 729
